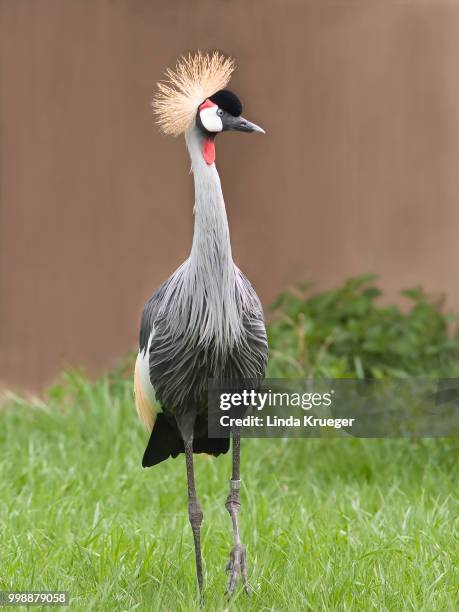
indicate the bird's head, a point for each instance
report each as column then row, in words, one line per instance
column 222, row 112
column 194, row 97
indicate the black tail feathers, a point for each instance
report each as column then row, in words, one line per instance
column 165, row 441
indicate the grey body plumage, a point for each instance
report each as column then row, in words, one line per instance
column 180, row 364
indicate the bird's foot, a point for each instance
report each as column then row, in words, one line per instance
column 237, row 566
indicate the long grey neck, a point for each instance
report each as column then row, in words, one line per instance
column 211, row 248
column 210, row 274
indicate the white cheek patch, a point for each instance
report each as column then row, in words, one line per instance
column 210, row 120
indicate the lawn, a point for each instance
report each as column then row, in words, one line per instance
column 332, row 524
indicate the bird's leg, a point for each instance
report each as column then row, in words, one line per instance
column 194, row 510
column 237, row 563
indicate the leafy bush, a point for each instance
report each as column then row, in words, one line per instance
column 346, row 332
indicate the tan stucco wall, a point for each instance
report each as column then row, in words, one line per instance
column 358, row 171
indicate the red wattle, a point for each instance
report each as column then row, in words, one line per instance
column 208, row 151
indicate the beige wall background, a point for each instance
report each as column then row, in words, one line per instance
column 358, row 171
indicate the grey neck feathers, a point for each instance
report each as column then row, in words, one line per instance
column 208, row 299
column 211, row 249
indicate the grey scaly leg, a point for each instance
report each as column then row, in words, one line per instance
column 194, row 510
column 237, row 564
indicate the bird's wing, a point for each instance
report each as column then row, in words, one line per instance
column 145, row 402
column 254, row 324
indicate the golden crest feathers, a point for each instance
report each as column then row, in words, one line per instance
column 195, row 78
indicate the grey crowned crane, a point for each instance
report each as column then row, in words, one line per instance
column 205, row 321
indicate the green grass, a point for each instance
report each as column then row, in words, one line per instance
column 328, row 524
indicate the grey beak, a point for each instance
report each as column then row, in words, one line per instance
column 240, row 124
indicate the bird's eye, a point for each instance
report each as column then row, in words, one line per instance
column 220, row 112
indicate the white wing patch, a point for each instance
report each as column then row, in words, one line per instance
column 145, row 403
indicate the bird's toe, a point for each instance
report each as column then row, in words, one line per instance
column 237, row 567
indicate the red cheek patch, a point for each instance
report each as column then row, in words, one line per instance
column 208, row 151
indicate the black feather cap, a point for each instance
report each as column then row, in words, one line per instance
column 227, row 101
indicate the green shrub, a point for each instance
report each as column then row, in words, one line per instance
column 346, row 332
